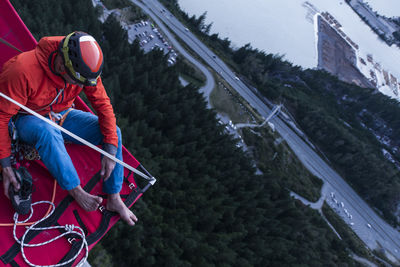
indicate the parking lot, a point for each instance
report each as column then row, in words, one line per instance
column 150, row 38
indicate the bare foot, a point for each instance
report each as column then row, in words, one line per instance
column 115, row 203
column 87, row 201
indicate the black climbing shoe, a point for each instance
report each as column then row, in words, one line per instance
column 22, row 199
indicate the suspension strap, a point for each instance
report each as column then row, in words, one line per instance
column 9, row 45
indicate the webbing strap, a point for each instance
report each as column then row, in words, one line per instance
column 16, row 248
column 105, row 222
column 101, row 230
column 9, row 256
column 80, row 222
column 71, row 253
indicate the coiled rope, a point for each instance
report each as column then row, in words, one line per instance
column 69, row 229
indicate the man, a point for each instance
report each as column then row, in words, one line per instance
column 47, row 80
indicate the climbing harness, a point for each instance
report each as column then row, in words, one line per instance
column 58, row 117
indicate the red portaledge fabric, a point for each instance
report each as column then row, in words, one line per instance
column 13, row 30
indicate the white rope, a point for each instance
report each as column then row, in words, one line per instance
column 69, row 229
column 152, row 180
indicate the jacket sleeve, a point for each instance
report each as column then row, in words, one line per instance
column 101, row 103
column 14, row 84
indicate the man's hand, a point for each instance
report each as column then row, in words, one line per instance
column 107, row 166
column 9, row 178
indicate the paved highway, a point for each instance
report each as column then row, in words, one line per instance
column 366, row 223
column 210, row 83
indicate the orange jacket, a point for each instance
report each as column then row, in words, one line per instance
column 28, row 79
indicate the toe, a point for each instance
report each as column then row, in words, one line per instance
column 131, row 222
column 99, row 200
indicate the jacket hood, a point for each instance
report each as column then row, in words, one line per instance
column 45, row 47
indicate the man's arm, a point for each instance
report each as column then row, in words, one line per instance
column 101, row 103
column 107, row 164
column 14, row 84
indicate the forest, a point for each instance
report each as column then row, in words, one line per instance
column 344, row 120
column 208, row 208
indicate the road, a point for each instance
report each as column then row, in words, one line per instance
column 210, row 83
column 380, row 233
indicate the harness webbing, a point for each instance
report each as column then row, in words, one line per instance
column 8, row 257
column 15, row 249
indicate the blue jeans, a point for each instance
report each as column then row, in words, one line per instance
column 49, row 142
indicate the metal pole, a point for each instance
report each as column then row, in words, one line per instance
column 10, row 45
column 152, row 180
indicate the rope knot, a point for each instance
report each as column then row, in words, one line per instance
column 69, row 227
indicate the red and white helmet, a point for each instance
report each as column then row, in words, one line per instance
column 82, row 57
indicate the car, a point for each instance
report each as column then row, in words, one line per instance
column 237, row 78
column 186, row 29
column 369, row 226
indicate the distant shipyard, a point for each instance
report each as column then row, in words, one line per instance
column 339, row 55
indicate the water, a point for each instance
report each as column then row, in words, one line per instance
column 387, row 8
column 284, row 27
